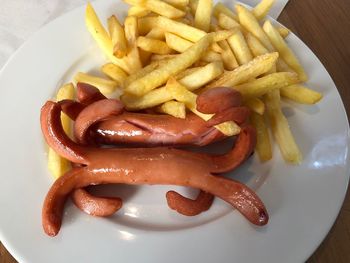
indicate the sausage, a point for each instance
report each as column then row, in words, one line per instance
column 159, row 165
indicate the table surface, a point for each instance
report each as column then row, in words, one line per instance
column 325, row 27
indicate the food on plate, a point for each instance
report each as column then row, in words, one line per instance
column 145, row 166
column 179, row 72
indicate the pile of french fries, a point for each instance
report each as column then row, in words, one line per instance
column 167, row 52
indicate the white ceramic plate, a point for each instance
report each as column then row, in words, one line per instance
column 303, row 201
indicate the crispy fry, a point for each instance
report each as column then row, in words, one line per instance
column 173, row 66
column 280, row 129
column 301, row 94
column 194, row 80
column 186, row 73
column 141, row 73
column 162, row 8
column 227, row 22
column 106, row 86
column 285, row 52
column 239, row 47
column 114, row 72
column 284, row 32
column 193, row 6
column 178, row 3
column 263, row 143
column 202, row 17
column 227, row 56
column 131, row 34
column 221, row 8
column 251, row 24
column 256, row 105
column 262, row 9
column 156, row 33
column 177, row 43
column 211, row 56
column 56, row 164
column 180, row 93
column 255, row 45
column 173, row 108
column 101, row 36
column 253, row 69
column 146, row 24
column 263, row 85
column 116, row 33
column 156, row 57
column 153, row 45
column 138, row 11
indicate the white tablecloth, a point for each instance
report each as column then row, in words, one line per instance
column 20, row 18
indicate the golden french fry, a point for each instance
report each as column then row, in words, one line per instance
column 56, row 164
column 146, row 24
column 285, row 52
column 263, row 8
column 202, row 16
column 131, row 35
column 255, row 45
column 227, row 56
column 141, row 73
column 256, row 105
column 193, row 6
column 178, row 3
column 106, row 86
column 162, row 8
column 239, row 47
column 253, row 69
column 227, row 22
column 156, row 57
column 156, row 33
column 301, row 94
column 138, row 11
column 177, row 43
column 173, row 108
column 284, row 32
column 116, row 33
column 153, row 45
column 186, row 73
column 101, row 36
column 211, row 56
column 172, row 67
column 263, row 144
column 251, row 24
column 114, row 72
column 180, row 93
column 221, row 8
column 280, row 129
column 265, row 84
column 202, row 76
column 193, row 80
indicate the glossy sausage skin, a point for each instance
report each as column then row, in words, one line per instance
column 158, row 165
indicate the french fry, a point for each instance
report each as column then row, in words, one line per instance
column 251, row 24
column 177, row 43
column 227, row 22
column 131, row 34
column 186, row 73
column 221, row 8
column 173, row 66
column 285, row 52
column 106, row 86
column 156, row 33
column 262, row 9
column 202, row 76
column 156, row 57
column 162, row 8
column 211, row 56
column 138, row 11
column 114, row 72
column 202, row 16
column 141, row 73
column 227, row 56
column 178, row 3
column 180, row 93
column 239, row 47
column 265, row 84
column 116, row 33
column 193, row 6
column 263, row 143
column 284, row 32
column 146, row 24
column 56, row 164
column 255, row 45
column 101, row 36
column 192, row 81
column 301, row 94
column 253, row 69
column 256, row 105
column 173, row 108
column 280, row 129
column 153, row 45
